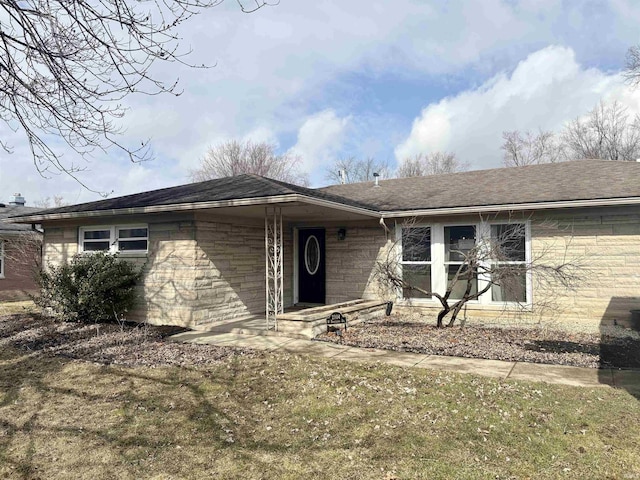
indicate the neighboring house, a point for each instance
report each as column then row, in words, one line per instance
column 233, row 247
column 19, row 251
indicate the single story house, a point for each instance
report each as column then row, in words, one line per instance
column 241, row 246
column 19, row 251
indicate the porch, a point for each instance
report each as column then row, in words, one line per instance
column 301, row 322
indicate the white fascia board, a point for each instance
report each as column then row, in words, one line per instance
column 606, row 202
column 182, row 207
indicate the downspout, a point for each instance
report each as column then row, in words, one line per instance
column 384, row 225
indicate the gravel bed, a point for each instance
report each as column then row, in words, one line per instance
column 131, row 345
column 404, row 333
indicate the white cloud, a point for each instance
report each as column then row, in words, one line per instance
column 545, row 90
column 319, row 138
column 275, row 69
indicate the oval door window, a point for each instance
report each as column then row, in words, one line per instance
column 312, row 255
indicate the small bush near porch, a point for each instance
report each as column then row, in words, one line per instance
column 69, row 408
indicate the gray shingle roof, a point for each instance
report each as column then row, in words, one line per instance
column 568, row 181
column 577, row 180
column 7, row 211
column 228, row 188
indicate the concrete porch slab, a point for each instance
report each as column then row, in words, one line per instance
column 560, row 374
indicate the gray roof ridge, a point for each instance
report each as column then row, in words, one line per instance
column 483, row 170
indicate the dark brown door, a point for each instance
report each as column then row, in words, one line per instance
column 311, row 266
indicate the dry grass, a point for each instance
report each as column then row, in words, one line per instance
column 287, row 416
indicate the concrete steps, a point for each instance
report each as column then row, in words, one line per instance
column 306, row 323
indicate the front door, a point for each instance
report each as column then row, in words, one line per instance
column 311, row 266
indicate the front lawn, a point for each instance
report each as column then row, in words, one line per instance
column 262, row 415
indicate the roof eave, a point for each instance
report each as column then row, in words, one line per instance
column 182, row 207
column 605, row 202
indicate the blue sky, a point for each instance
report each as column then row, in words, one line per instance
column 332, row 79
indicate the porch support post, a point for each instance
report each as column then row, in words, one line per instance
column 274, row 258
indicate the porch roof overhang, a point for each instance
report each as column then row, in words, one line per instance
column 297, row 205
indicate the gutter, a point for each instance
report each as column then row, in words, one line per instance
column 181, row 207
column 606, row 202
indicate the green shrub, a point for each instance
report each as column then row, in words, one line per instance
column 91, row 288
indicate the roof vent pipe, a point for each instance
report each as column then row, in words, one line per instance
column 342, row 173
column 17, row 199
column 375, row 177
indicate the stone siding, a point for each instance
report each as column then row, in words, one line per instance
column 351, row 272
column 229, row 271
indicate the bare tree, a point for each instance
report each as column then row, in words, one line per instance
column 51, row 202
column 632, row 67
column 474, row 266
column 357, row 170
column 65, row 68
column 607, row 133
column 530, row 149
column 433, row 163
column 234, row 158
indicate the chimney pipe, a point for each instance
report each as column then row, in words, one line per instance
column 342, row 173
column 17, row 199
column 375, row 176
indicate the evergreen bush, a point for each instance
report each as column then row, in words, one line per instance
column 90, row 288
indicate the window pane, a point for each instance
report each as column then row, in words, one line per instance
column 132, row 233
column 416, row 276
column 458, row 242
column 416, row 244
column 96, row 246
column 508, row 242
column 97, row 234
column 128, row 245
column 458, row 290
column 511, row 284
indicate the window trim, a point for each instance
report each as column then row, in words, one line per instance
column 113, row 238
column 439, row 265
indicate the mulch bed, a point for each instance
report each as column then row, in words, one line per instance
column 403, row 333
column 134, row 345
column 130, row 345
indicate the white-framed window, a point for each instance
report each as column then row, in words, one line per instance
column 416, row 261
column 511, row 286
column 432, row 255
column 114, row 238
column 1, row 258
column 459, row 240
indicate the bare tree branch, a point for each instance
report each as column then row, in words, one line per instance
column 434, row 163
column 497, row 264
column 66, row 66
column 234, row 158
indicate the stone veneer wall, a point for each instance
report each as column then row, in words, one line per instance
column 604, row 242
column 351, row 262
column 203, row 269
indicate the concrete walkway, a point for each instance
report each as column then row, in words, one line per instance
column 536, row 372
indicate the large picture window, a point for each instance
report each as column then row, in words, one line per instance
column 459, row 241
column 510, row 262
column 416, row 261
column 123, row 238
column 435, row 258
